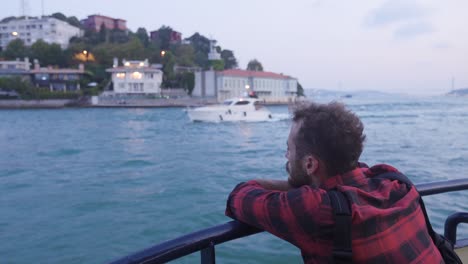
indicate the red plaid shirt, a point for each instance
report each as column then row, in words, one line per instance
column 388, row 224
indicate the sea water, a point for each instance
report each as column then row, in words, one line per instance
column 92, row 185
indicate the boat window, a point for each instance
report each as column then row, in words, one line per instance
column 257, row 105
column 227, row 102
column 242, row 103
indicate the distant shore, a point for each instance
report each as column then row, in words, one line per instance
column 134, row 103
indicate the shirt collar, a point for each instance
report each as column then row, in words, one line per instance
column 352, row 178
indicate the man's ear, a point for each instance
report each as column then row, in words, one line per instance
column 311, row 164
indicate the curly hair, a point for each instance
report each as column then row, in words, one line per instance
column 331, row 132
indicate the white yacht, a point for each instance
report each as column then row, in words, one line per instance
column 235, row 109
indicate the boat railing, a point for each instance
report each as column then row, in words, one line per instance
column 205, row 240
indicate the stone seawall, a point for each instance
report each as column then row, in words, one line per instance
column 169, row 102
column 59, row 103
column 114, row 102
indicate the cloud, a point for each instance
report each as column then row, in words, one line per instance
column 413, row 29
column 395, row 11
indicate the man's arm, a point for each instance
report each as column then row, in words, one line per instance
column 278, row 212
column 277, row 185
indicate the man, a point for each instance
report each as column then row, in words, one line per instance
column 323, row 149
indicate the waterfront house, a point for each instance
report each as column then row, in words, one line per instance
column 94, row 22
column 268, row 86
column 15, row 68
column 174, row 36
column 30, row 29
column 136, row 77
column 57, row 79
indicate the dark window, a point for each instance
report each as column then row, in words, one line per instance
column 242, row 103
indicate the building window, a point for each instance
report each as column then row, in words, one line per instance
column 120, row 75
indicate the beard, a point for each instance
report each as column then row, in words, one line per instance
column 297, row 175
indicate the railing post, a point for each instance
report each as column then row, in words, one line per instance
column 208, row 254
column 451, row 223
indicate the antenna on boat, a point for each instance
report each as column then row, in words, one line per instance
column 42, row 8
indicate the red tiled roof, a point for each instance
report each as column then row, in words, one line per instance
column 107, row 17
column 257, row 74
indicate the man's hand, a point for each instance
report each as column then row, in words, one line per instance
column 278, row 185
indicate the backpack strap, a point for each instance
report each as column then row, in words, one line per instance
column 342, row 251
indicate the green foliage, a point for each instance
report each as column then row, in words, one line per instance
column 17, row 84
column 300, row 90
column 15, row 49
column 27, row 91
column 74, row 22
column 103, row 34
column 229, row 59
column 164, row 37
column 254, row 65
column 8, row 19
column 142, row 35
column 169, row 76
column 187, row 81
column 185, row 55
column 218, row 65
column 48, row 54
column 106, row 45
column 59, row 16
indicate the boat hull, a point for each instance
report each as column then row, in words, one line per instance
column 227, row 115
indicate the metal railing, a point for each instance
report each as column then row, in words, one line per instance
column 206, row 239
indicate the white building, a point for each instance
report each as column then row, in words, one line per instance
column 15, row 68
column 269, row 86
column 49, row 29
column 136, row 77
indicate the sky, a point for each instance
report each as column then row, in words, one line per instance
column 401, row 46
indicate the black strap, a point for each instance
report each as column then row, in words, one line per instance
column 342, row 251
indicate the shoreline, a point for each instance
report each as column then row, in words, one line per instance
column 145, row 103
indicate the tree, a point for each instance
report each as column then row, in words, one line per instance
column 254, row 65
column 300, row 90
column 74, row 21
column 168, row 70
column 142, row 34
column 48, row 54
column 15, row 49
column 119, row 36
column 187, row 81
column 230, row 61
column 103, row 34
column 56, row 55
column 164, row 37
column 7, row 19
column 185, row 55
column 218, row 65
column 59, row 16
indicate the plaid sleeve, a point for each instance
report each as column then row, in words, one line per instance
column 287, row 215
